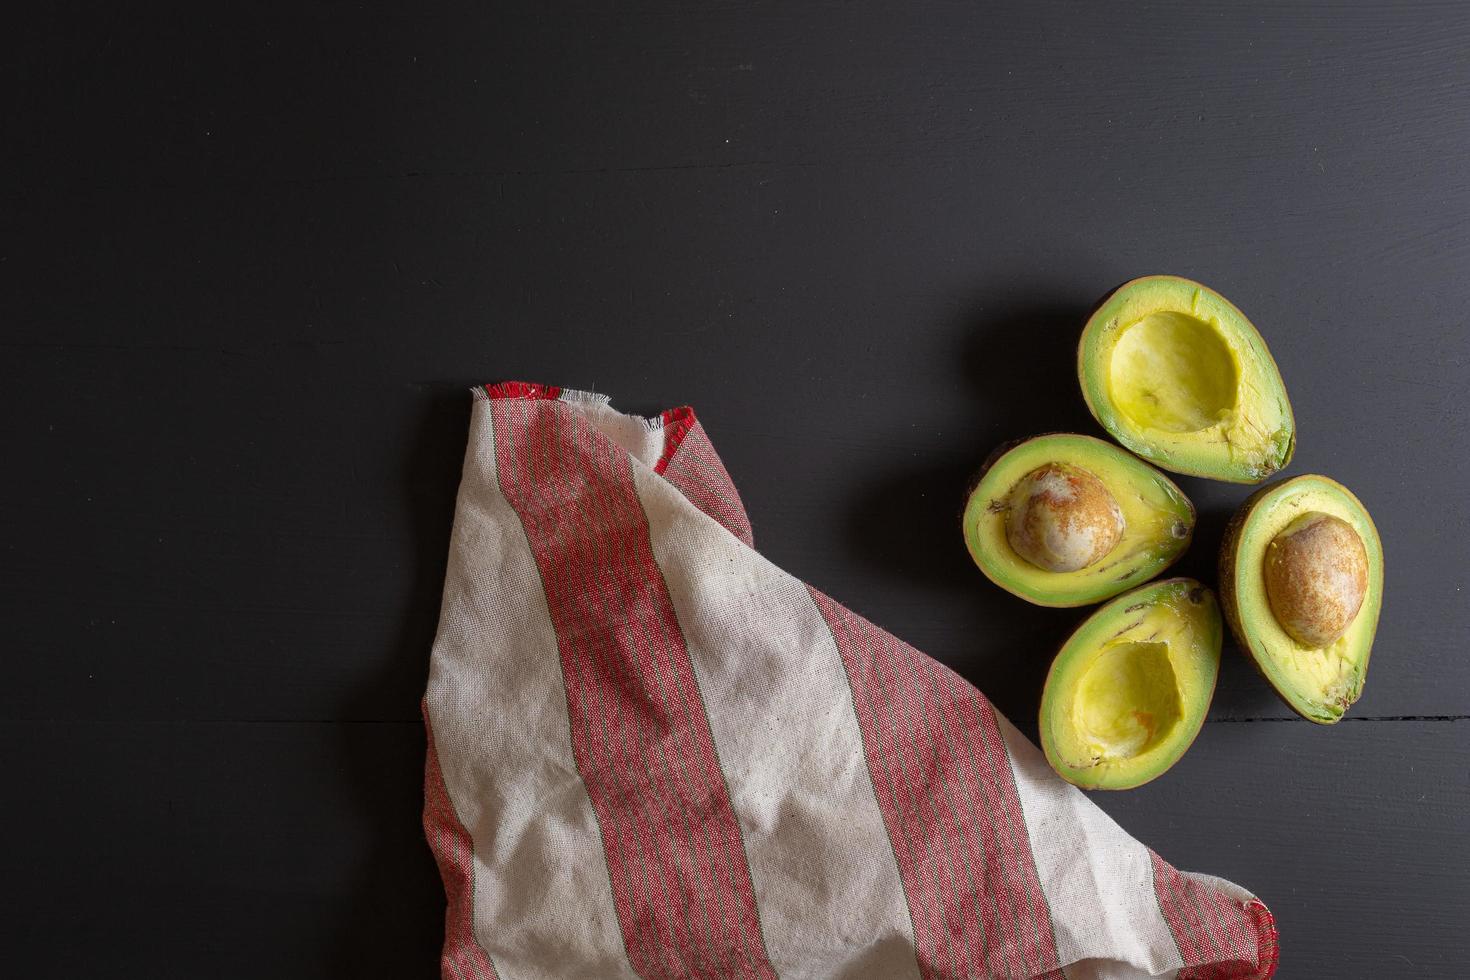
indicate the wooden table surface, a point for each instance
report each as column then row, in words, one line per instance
column 251, row 258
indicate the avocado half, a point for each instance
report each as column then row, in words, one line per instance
column 1177, row 374
column 1129, row 690
column 1155, row 520
column 1318, row 682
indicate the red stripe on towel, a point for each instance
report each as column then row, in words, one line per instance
column 522, row 389
column 639, row 732
column 695, row 470
column 1218, row 937
column 948, row 797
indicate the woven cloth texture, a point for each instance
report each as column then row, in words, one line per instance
column 654, row 754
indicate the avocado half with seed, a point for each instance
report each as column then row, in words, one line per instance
column 1068, row 520
column 1129, row 690
column 1177, row 374
column 1301, row 580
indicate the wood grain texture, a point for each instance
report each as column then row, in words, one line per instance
column 251, row 258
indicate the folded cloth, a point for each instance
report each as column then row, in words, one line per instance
column 654, row 754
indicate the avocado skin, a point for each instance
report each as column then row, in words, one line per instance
column 1229, row 601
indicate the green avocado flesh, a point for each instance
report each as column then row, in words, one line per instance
column 1177, row 374
column 1129, row 690
column 1157, row 521
column 1317, row 683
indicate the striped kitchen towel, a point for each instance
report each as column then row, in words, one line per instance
column 654, row 754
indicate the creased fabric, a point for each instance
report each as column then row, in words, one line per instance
column 655, row 754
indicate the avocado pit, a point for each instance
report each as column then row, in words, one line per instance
column 1062, row 501
column 1063, row 518
column 1316, row 576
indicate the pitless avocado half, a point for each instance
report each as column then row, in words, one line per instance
column 1301, row 580
column 1177, row 374
column 1068, row 520
column 1129, row 690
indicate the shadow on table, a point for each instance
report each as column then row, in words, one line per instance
column 394, row 923
column 1018, row 360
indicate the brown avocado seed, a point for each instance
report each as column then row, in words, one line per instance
column 1316, row 575
column 1062, row 518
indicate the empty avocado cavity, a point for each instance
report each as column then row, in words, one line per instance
column 1174, row 373
column 1129, row 690
column 1128, row 699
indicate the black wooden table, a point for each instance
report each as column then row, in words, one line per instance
column 251, row 258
